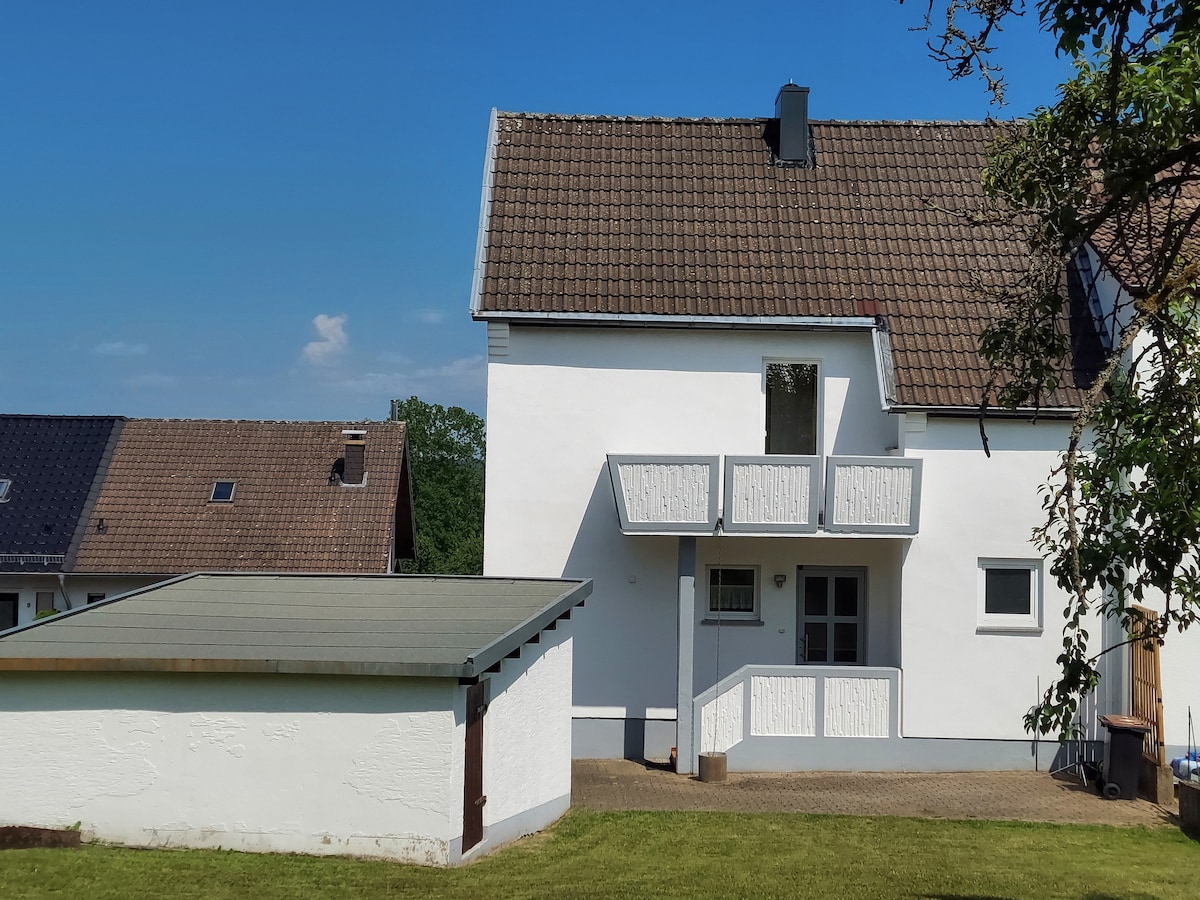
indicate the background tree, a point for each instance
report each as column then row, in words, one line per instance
column 446, row 458
column 1113, row 163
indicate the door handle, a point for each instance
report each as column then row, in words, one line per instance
column 481, row 801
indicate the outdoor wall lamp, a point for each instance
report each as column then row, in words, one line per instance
column 780, row 579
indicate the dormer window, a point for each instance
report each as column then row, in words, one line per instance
column 5, row 485
column 222, row 492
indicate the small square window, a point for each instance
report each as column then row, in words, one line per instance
column 95, row 598
column 1010, row 594
column 222, row 492
column 733, row 592
column 45, row 601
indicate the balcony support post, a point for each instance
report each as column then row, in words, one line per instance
column 685, row 760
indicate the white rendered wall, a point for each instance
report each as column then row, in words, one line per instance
column 959, row 680
column 527, row 739
column 361, row 766
column 77, row 589
column 563, row 398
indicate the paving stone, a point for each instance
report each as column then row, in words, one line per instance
column 605, row 784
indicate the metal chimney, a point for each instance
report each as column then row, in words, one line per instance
column 355, row 457
column 791, row 109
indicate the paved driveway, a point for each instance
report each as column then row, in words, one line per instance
column 605, row 784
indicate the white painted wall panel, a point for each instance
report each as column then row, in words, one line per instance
column 857, row 707
column 783, row 705
column 872, row 495
column 771, row 493
column 527, row 732
column 960, row 682
column 657, row 492
column 721, row 721
column 262, row 763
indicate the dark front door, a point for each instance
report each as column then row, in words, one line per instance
column 831, row 617
column 8, row 610
column 473, row 798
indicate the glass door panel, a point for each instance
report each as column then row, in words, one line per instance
column 815, row 645
column 831, row 617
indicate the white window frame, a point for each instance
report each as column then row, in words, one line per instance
column 714, row 615
column 1030, row 622
column 791, row 361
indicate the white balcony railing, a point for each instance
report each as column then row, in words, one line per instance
column 767, row 494
column 758, row 705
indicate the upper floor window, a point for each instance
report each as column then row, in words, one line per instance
column 792, row 408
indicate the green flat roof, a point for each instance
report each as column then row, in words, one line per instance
column 392, row 625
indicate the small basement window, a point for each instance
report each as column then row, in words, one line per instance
column 95, row 598
column 1010, row 594
column 733, row 592
column 5, row 484
column 222, row 492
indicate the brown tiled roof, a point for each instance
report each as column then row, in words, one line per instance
column 670, row 217
column 1131, row 248
column 289, row 513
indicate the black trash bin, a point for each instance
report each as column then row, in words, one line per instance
column 1122, row 756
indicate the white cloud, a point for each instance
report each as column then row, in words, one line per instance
column 430, row 316
column 120, row 348
column 333, row 340
column 463, row 374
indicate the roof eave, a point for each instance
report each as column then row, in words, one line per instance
column 652, row 320
column 992, row 412
column 483, row 659
column 485, row 213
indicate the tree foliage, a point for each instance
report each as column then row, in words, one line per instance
column 446, row 458
column 1114, row 165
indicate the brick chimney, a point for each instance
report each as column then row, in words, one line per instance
column 791, row 109
column 355, row 456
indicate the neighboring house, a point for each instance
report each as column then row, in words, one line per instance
column 405, row 717
column 95, row 507
column 759, row 337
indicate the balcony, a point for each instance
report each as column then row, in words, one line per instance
column 767, row 495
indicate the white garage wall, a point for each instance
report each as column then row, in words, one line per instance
column 527, row 739
column 266, row 763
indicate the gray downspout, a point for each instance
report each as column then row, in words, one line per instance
column 62, row 588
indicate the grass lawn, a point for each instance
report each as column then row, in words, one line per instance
column 631, row 854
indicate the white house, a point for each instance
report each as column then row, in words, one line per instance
column 414, row 718
column 732, row 376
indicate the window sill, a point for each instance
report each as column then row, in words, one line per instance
column 724, row 622
column 998, row 628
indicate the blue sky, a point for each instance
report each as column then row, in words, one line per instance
column 269, row 209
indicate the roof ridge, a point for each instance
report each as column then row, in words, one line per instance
column 734, row 120
column 182, row 420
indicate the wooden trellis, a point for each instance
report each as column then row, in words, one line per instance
column 1146, row 674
